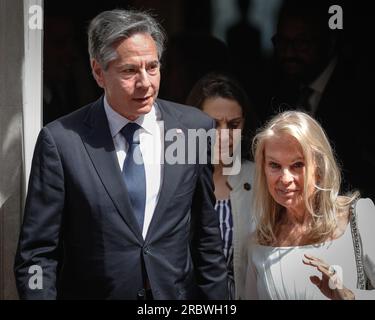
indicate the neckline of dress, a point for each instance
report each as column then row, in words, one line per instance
column 320, row 244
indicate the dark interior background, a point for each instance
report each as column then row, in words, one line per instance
column 192, row 48
column 192, row 51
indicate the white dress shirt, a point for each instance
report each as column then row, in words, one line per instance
column 150, row 137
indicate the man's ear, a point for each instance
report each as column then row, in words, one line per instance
column 97, row 72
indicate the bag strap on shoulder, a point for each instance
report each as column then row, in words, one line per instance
column 358, row 252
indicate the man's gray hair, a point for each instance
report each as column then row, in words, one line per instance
column 109, row 27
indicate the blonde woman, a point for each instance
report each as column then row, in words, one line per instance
column 303, row 247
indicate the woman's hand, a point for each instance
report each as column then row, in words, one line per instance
column 330, row 284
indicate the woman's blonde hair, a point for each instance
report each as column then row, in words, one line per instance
column 319, row 160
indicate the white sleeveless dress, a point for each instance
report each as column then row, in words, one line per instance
column 278, row 273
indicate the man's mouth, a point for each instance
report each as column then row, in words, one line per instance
column 145, row 99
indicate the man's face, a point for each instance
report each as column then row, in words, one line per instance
column 299, row 48
column 131, row 81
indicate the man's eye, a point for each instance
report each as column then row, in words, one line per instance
column 301, row 43
column 152, row 69
column 129, row 71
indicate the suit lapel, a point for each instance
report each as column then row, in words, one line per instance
column 172, row 173
column 99, row 145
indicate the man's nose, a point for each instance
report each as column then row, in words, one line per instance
column 143, row 80
column 288, row 52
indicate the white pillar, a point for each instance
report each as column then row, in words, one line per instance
column 32, row 79
column 20, row 120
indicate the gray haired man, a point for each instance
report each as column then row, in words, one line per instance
column 98, row 224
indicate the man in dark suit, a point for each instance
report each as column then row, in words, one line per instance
column 312, row 74
column 101, row 220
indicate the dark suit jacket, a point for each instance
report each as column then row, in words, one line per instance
column 79, row 226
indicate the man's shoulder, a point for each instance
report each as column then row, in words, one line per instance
column 65, row 130
column 72, row 120
column 192, row 117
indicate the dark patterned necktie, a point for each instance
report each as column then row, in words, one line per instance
column 133, row 173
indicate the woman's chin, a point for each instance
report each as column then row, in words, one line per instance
column 288, row 202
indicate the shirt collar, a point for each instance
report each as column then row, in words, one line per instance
column 116, row 121
column 320, row 83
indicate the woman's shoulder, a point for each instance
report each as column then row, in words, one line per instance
column 247, row 169
column 245, row 176
column 365, row 205
column 247, row 164
column 365, row 211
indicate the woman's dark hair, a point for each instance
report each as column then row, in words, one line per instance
column 219, row 85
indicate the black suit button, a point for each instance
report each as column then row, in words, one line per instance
column 146, row 250
column 141, row 293
column 247, row 186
